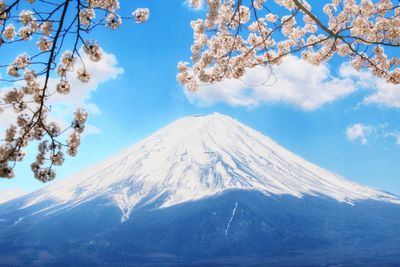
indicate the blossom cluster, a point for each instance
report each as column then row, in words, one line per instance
column 50, row 25
column 239, row 34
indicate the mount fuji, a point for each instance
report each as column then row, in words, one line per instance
column 202, row 191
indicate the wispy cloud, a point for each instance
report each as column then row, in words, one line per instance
column 363, row 134
column 395, row 135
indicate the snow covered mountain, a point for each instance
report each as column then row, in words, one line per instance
column 202, row 179
column 196, row 157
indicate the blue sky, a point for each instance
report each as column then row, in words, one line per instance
column 142, row 95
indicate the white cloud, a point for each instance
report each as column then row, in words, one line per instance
column 383, row 93
column 359, row 132
column 297, row 83
column 62, row 106
column 293, row 82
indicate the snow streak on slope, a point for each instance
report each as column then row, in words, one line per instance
column 196, row 157
column 231, row 219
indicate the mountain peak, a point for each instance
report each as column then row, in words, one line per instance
column 197, row 121
column 197, row 157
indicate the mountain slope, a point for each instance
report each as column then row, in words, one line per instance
column 236, row 227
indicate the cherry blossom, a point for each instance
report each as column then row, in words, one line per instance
column 52, row 26
column 237, row 35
